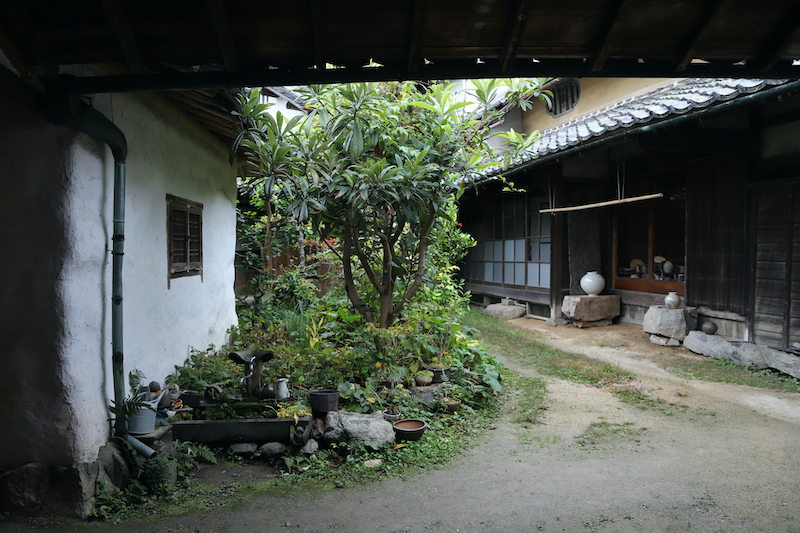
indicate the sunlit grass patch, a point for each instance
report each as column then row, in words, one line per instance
column 527, row 347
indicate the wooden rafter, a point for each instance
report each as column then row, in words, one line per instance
column 319, row 33
column 516, row 25
column 15, row 55
column 611, row 25
column 29, row 36
column 415, row 36
column 124, row 35
column 783, row 39
column 224, row 35
column 214, row 114
column 699, row 33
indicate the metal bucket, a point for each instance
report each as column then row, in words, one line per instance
column 144, row 421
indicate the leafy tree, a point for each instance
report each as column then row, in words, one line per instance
column 376, row 165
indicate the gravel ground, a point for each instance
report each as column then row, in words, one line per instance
column 727, row 459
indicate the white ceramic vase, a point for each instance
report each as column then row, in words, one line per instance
column 283, row 389
column 592, row 283
column 672, row 300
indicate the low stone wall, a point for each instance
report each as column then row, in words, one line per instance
column 743, row 353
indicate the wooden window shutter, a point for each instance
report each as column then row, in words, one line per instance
column 194, row 239
column 184, row 237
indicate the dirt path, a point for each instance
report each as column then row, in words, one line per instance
column 728, row 460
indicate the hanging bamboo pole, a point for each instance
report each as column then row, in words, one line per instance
column 603, row 204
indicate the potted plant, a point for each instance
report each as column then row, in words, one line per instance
column 135, row 414
column 423, row 377
column 452, row 404
column 392, row 398
column 440, row 365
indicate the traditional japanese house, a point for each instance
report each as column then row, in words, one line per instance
column 660, row 185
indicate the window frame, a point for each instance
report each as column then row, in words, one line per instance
column 648, row 283
column 505, row 229
column 190, row 236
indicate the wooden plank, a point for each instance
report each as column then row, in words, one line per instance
column 788, row 268
column 541, row 296
column 765, row 338
column 771, row 326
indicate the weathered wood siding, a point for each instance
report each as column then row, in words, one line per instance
column 716, row 224
column 777, row 269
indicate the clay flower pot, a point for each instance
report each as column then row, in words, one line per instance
column 409, row 429
column 423, row 380
column 452, row 405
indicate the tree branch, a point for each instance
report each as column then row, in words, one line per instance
column 423, row 247
column 349, row 284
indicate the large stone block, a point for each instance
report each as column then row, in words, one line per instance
column 591, row 308
column 508, row 312
column 743, row 353
column 672, row 323
column 24, row 488
column 371, row 430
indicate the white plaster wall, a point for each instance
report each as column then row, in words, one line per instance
column 162, row 319
column 85, row 289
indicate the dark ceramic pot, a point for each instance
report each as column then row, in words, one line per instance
column 190, row 398
column 409, row 429
column 709, row 328
column 324, row 400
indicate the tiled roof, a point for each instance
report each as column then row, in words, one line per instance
column 678, row 98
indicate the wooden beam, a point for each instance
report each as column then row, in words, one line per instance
column 224, row 35
column 610, row 26
column 415, row 36
column 785, row 37
column 124, row 34
column 516, row 26
column 317, row 19
column 699, row 33
column 29, row 36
